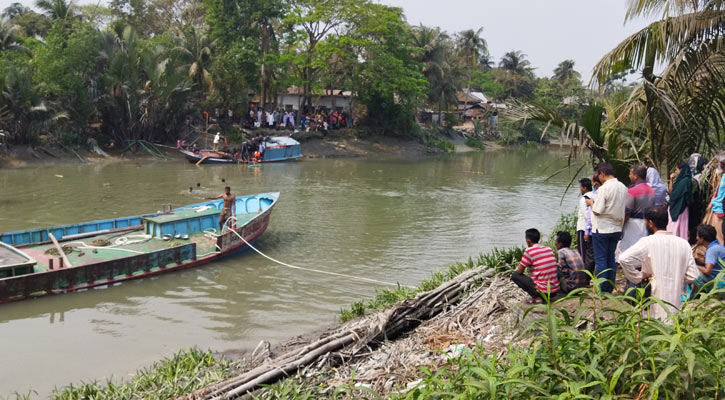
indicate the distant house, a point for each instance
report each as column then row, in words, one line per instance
column 472, row 104
column 333, row 99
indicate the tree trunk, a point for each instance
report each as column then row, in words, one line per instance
column 263, row 80
column 656, row 139
column 440, row 111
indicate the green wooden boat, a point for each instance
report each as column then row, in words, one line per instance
column 106, row 252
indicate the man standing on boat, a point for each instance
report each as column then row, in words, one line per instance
column 229, row 208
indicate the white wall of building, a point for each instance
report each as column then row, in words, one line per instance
column 295, row 100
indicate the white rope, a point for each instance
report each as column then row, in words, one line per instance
column 122, row 241
column 85, row 246
column 359, row 278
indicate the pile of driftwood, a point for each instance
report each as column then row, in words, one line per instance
column 364, row 333
column 491, row 317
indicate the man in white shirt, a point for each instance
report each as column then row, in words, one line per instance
column 607, row 220
column 666, row 260
column 216, row 141
column 583, row 224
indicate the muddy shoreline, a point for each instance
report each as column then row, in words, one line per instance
column 336, row 144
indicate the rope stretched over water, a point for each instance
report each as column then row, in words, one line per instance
column 359, row 278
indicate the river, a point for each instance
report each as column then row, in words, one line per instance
column 388, row 219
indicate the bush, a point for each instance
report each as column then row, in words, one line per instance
column 451, row 119
column 444, row 145
column 475, row 143
column 623, row 356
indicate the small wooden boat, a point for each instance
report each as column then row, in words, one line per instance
column 73, row 257
column 277, row 149
column 209, row 157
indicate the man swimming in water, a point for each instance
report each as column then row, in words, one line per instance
column 229, row 208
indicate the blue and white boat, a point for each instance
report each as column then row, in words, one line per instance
column 277, row 149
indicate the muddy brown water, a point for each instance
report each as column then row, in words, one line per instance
column 390, row 219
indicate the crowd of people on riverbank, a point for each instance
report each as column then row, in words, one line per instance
column 643, row 229
column 320, row 120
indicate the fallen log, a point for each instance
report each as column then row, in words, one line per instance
column 46, row 151
column 366, row 332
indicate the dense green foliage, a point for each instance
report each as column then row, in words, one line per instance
column 146, row 69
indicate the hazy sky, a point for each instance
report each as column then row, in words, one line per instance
column 548, row 31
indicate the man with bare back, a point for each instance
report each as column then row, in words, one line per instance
column 229, row 208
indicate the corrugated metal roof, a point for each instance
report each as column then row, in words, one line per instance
column 283, row 140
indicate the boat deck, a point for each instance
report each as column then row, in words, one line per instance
column 112, row 246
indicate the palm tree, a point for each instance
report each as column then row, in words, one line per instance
column 56, row 9
column 682, row 107
column 8, row 39
column 515, row 62
column 15, row 10
column 471, row 46
column 27, row 114
column 434, row 46
column 443, row 88
column 485, row 63
column 565, row 71
column 443, row 75
column 195, row 50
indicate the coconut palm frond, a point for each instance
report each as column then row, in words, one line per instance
column 659, row 8
column 662, row 40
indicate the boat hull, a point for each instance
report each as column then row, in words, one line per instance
column 64, row 280
column 207, row 157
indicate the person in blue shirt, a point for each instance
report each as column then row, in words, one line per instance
column 715, row 218
column 714, row 257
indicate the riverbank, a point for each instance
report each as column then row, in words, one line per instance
column 488, row 293
column 483, row 342
column 343, row 143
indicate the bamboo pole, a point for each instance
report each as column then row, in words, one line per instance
column 60, row 250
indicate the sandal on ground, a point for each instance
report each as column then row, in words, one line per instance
column 532, row 301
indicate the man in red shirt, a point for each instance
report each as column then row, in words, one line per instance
column 542, row 262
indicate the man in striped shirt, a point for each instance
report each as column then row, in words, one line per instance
column 542, row 262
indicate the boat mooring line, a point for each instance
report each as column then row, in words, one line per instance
column 359, row 278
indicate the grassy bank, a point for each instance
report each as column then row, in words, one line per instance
column 192, row 369
column 184, row 372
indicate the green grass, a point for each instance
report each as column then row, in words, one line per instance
column 444, row 145
column 184, row 372
column 475, row 143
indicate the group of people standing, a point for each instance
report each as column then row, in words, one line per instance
column 642, row 229
column 276, row 119
column 319, row 121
